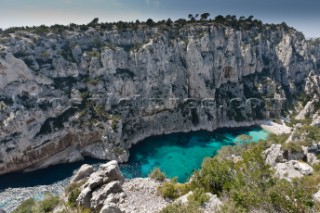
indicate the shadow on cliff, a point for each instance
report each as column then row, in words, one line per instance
column 46, row 176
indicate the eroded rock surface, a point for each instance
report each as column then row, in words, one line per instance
column 96, row 92
column 142, row 196
column 84, row 172
column 293, row 169
column 102, row 188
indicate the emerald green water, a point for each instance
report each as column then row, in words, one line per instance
column 178, row 155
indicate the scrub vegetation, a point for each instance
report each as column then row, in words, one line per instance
column 249, row 185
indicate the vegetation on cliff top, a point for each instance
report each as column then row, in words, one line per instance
column 241, row 23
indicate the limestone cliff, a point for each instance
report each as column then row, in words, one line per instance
column 95, row 92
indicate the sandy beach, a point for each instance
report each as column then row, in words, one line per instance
column 275, row 128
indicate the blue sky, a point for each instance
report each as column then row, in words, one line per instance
column 304, row 15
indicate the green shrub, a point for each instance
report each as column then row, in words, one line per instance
column 198, row 196
column 230, row 207
column 156, row 174
column 48, row 204
column 294, row 196
column 292, row 147
column 73, row 192
column 172, row 189
column 312, row 133
column 25, row 207
column 249, row 184
column 215, row 175
column 190, row 207
column 279, row 139
column 72, row 198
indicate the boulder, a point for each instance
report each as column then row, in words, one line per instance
column 112, row 171
column 316, row 119
column 100, row 195
column 316, row 196
column 110, row 208
column 293, row 169
column 95, row 181
column 184, row 198
column 84, row 172
column 303, row 168
column 103, row 186
column 2, row 211
column 85, row 197
column 312, row 159
column 213, row 204
column 274, row 154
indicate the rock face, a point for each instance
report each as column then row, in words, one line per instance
column 211, row 206
column 274, row 154
column 84, row 172
column 316, row 196
column 286, row 163
column 96, row 92
column 103, row 189
column 293, row 169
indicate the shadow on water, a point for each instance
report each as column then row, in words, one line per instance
column 177, row 154
column 45, row 176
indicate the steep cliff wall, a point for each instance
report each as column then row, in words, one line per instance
column 96, row 92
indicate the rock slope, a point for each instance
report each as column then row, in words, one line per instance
column 68, row 94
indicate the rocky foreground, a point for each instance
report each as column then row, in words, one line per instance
column 106, row 191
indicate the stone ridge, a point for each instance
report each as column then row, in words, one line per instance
column 96, row 92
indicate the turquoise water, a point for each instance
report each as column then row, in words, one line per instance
column 178, row 155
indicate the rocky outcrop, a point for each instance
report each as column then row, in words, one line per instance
column 103, row 189
column 274, row 154
column 292, row 169
column 106, row 191
column 110, row 208
column 307, row 110
column 84, row 172
column 316, row 196
column 211, row 206
column 96, row 92
column 288, row 164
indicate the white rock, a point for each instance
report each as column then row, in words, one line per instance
column 274, row 154
column 85, row 197
column 112, row 171
column 110, row 208
column 316, row 196
column 84, row 172
column 293, row 169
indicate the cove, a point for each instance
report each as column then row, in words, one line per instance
column 179, row 154
column 176, row 154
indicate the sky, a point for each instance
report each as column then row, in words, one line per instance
column 304, row 15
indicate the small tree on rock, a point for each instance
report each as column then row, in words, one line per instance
column 169, row 22
column 204, row 16
column 150, row 22
column 94, row 21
